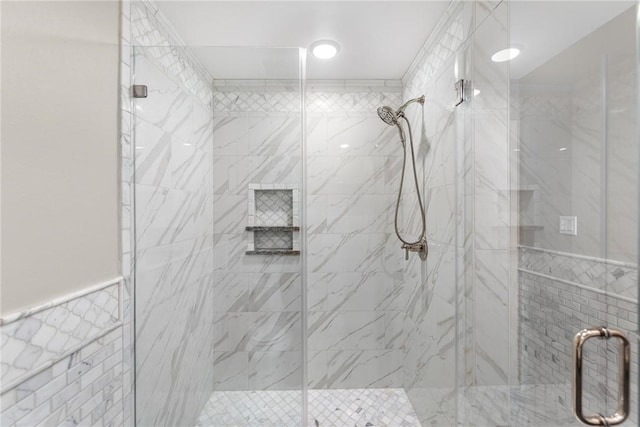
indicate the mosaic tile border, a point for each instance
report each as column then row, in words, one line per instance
column 616, row 278
column 363, row 101
column 38, row 338
column 346, row 96
column 311, row 86
column 444, row 41
column 150, row 30
column 453, row 30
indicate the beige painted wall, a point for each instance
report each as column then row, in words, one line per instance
column 60, row 229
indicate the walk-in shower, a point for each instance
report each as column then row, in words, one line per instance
column 392, row 118
column 270, row 203
column 257, row 280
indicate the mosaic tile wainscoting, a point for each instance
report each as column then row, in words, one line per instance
column 62, row 363
column 560, row 294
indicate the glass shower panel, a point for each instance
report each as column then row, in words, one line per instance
column 218, row 283
column 485, row 360
column 575, row 168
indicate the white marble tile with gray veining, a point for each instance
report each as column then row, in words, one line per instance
column 275, row 292
column 346, row 330
column 374, row 368
column 272, row 370
column 174, row 226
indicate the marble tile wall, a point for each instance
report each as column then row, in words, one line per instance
column 461, row 296
column 493, row 237
column 173, row 154
column 355, row 298
column 356, row 292
column 257, row 142
column 429, row 368
column 62, row 363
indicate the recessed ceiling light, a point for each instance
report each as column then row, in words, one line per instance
column 505, row 54
column 562, row 149
column 476, row 92
column 344, row 145
column 324, row 49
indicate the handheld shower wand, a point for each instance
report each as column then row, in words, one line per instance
column 391, row 117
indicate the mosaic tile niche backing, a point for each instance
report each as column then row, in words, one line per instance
column 274, row 207
column 273, row 219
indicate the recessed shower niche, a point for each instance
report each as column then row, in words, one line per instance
column 274, row 221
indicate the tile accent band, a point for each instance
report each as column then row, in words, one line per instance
column 578, row 285
column 585, row 257
column 12, row 317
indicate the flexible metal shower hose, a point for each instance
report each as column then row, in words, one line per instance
column 415, row 177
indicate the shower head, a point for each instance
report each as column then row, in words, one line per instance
column 390, row 117
column 387, row 115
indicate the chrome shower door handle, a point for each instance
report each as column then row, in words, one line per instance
column 624, row 362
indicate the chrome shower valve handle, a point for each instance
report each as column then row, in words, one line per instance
column 420, row 247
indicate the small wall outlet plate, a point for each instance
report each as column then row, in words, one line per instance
column 569, row 225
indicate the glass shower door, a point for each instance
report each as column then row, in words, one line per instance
column 550, row 213
column 575, row 167
column 218, row 283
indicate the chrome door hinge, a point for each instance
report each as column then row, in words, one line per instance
column 139, row 91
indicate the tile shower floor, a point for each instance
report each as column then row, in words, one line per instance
column 327, row 408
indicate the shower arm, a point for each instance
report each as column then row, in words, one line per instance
column 400, row 111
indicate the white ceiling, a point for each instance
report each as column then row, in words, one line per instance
column 378, row 39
